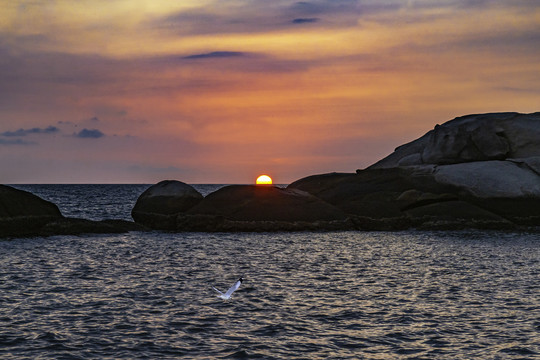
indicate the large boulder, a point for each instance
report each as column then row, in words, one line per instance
column 19, row 203
column 491, row 179
column 370, row 193
column 158, row 206
column 261, row 208
column 482, row 137
column 477, row 170
column 23, row 213
column 262, row 202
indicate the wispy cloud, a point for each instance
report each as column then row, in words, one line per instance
column 248, row 16
column 24, row 132
column 216, row 54
column 89, row 134
column 15, row 142
column 305, row 20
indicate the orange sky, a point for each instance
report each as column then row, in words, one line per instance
column 127, row 91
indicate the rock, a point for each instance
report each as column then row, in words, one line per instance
column 75, row 226
column 23, row 213
column 16, row 203
column 373, row 193
column 453, row 210
column 483, row 137
column 491, row 179
column 159, row 205
column 217, row 223
column 266, row 203
column 476, row 171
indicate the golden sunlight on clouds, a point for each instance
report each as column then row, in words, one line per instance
column 189, row 89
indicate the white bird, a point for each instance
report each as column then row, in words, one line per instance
column 229, row 292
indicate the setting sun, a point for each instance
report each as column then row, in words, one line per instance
column 264, row 180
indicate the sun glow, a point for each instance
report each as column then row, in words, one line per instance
column 264, row 180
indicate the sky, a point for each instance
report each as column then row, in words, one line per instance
column 214, row 91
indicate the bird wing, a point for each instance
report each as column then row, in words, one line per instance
column 217, row 290
column 233, row 288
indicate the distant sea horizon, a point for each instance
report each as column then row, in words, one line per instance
column 100, row 201
column 317, row 295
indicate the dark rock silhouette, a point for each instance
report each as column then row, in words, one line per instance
column 479, row 171
column 261, row 208
column 159, row 205
column 25, row 214
column 471, row 138
column 476, row 171
column 266, row 203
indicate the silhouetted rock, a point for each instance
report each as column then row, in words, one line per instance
column 24, row 213
column 263, row 208
column 75, row 226
column 15, row 203
column 266, row 203
column 478, row 171
column 159, row 205
column 482, row 137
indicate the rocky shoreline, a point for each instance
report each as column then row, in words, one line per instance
column 476, row 171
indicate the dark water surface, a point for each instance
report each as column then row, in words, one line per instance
column 327, row 295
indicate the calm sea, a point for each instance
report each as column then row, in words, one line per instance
column 316, row 295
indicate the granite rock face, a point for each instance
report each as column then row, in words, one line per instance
column 473, row 171
column 471, row 138
column 476, row 171
column 158, row 206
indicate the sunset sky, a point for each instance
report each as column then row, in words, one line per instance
column 214, row 91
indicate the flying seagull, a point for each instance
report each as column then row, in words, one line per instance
column 229, row 292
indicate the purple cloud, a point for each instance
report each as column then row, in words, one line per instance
column 305, row 20
column 216, row 54
column 24, row 132
column 89, row 134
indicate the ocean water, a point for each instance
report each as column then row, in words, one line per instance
column 311, row 295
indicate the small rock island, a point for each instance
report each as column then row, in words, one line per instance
column 475, row 171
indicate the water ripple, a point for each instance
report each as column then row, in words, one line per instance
column 305, row 295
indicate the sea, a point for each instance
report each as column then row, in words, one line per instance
column 305, row 295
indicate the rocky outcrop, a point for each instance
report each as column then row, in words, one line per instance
column 253, row 208
column 261, row 208
column 25, row 214
column 471, row 138
column 473, row 171
column 476, row 171
column 159, row 205
column 266, row 203
column 16, row 203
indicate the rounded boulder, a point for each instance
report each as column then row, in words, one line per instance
column 23, row 213
column 266, row 203
column 158, row 206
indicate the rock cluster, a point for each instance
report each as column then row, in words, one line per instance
column 25, row 214
column 480, row 171
column 476, row 171
column 473, row 171
column 244, row 208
